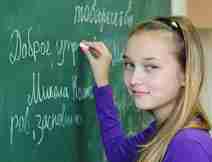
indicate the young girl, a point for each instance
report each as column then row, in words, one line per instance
column 164, row 73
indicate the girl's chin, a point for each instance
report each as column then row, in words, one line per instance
column 144, row 106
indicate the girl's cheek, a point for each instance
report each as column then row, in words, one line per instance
column 158, row 85
column 126, row 81
column 127, row 78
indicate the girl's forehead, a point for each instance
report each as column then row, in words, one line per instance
column 156, row 45
column 152, row 41
column 154, row 35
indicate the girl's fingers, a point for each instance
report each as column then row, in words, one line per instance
column 90, row 55
column 91, row 48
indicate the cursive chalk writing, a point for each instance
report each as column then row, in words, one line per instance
column 41, row 93
column 93, row 15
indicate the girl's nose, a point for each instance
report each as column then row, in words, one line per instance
column 137, row 77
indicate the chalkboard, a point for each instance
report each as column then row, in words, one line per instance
column 47, row 110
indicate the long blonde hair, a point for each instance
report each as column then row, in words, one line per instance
column 190, row 56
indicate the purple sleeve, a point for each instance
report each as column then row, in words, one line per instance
column 118, row 147
column 184, row 150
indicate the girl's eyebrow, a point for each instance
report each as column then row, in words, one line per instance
column 146, row 58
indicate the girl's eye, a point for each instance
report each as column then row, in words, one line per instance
column 150, row 67
column 147, row 68
column 128, row 65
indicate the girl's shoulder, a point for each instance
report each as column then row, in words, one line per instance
column 192, row 141
column 201, row 136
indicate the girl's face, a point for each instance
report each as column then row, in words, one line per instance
column 152, row 74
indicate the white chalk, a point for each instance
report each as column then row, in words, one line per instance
column 86, row 49
column 84, row 46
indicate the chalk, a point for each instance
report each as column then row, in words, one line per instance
column 84, row 47
column 89, row 50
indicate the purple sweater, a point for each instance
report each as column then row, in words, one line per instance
column 188, row 145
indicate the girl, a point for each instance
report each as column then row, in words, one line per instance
column 164, row 73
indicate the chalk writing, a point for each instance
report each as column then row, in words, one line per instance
column 19, row 123
column 80, row 93
column 22, row 123
column 93, row 15
column 117, row 50
column 29, row 49
column 36, row 50
column 21, row 49
column 63, row 47
column 41, row 93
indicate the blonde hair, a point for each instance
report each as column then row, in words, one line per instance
column 190, row 57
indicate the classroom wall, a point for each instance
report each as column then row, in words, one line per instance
column 178, row 7
column 200, row 12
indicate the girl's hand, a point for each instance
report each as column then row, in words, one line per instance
column 100, row 59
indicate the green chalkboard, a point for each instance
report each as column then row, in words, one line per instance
column 47, row 110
